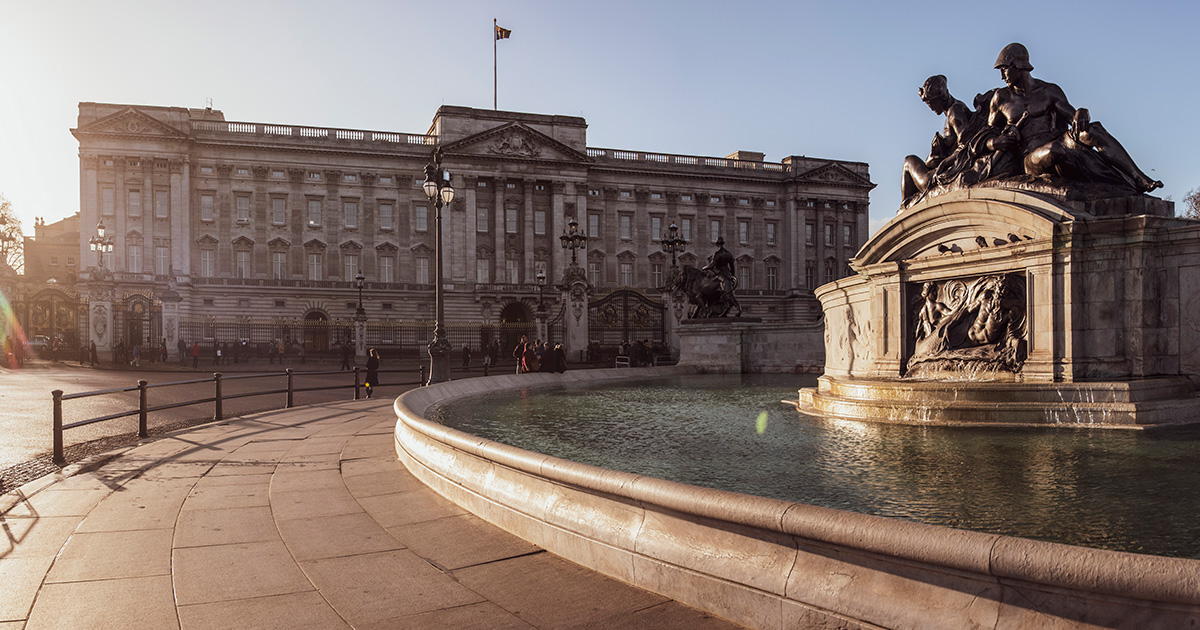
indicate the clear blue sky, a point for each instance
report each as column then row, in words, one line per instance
column 824, row 79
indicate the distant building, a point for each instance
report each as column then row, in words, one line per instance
column 252, row 229
column 53, row 252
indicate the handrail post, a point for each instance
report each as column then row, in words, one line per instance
column 143, row 430
column 58, row 430
column 291, row 388
column 220, row 414
column 356, row 382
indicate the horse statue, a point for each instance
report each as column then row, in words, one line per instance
column 707, row 293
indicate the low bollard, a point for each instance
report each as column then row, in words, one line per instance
column 58, row 430
column 424, row 381
column 356, row 382
column 143, row 431
column 485, row 369
column 219, row 413
column 291, row 389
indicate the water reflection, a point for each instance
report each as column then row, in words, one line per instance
column 1101, row 488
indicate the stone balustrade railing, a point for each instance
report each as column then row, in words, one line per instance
column 684, row 160
column 204, row 127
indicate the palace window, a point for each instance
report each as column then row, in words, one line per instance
column 830, row 270
column 809, row 230
column 685, row 228
column 207, row 263
column 510, row 220
column 350, row 210
column 206, row 207
column 773, row 277
column 539, row 222
column 243, row 264
column 162, row 260
column 135, row 203
column 626, row 227
column 626, row 274
column 349, row 267
column 655, row 229
column 626, row 194
column 685, row 197
column 243, row 208
column 423, row 270
column 745, row 275
column 513, row 270
column 279, row 265
column 770, row 233
column 810, row 275
column 278, row 210
column 655, row 195
column 316, row 270
column 714, row 229
column 847, row 235
column 483, row 270
column 593, row 225
column 314, row 212
column 350, row 177
column 828, row 235
column 387, row 269
column 594, row 273
column 243, row 171
column 277, row 174
column 481, row 219
column 421, row 223
column 206, row 170
column 133, row 258
column 385, row 180
column 387, row 216
column 656, row 274
column 743, row 232
column 162, row 204
column 106, row 201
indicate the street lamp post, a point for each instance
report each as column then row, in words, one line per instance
column 440, row 192
column 101, row 244
column 360, row 322
column 541, row 309
column 573, row 239
column 672, row 243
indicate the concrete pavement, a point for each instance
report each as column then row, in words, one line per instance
column 299, row 518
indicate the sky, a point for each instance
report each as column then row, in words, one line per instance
column 831, row 79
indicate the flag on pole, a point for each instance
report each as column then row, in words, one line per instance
column 502, row 33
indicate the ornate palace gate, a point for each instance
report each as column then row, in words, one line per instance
column 625, row 315
column 59, row 314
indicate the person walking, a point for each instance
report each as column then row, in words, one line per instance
column 182, row 347
column 137, row 354
column 346, row 354
column 466, row 356
column 162, row 351
column 519, row 352
column 195, row 354
column 92, row 354
column 271, row 352
column 372, row 371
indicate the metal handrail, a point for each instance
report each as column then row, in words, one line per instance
column 218, row 399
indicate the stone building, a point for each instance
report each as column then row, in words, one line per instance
column 253, row 229
column 53, row 253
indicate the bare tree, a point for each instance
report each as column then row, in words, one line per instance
column 12, row 241
column 1191, row 204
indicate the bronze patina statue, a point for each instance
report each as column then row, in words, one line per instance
column 1024, row 132
column 710, row 288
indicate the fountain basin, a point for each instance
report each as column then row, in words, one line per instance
column 767, row 563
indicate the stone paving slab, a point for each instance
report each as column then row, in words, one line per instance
column 296, row 519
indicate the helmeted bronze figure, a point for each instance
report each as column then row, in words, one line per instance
column 1019, row 133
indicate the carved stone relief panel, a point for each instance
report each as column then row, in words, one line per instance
column 968, row 328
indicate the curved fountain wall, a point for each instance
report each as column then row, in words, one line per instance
column 766, row 563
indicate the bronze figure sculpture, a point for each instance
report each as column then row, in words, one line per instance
column 710, row 288
column 1024, row 132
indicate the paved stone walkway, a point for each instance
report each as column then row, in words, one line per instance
column 298, row 518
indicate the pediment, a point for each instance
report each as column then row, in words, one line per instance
column 977, row 221
column 243, row 241
column 351, row 245
column 515, row 141
column 279, row 242
column 315, row 244
column 207, row 239
column 386, row 247
column 834, row 174
column 131, row 122
column 421, row 248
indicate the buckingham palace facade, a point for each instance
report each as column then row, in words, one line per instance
column 223, row 229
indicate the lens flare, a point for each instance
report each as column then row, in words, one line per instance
column 760, row 424
column 13, row 334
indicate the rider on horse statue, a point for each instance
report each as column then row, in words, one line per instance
column 710, row 288
column 720, row 266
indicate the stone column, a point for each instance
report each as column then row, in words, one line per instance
column 499, row 230
column 527, row 272
column 555, row 224
column 179, row 219
column 793, row 233
column 89, row 210
column 469, row 234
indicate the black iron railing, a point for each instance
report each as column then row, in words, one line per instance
column 217, row 399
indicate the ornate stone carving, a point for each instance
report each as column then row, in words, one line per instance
column 175, row 167
column 610, row 192
column 91, row 161
column 569, row 208
column 100, row 323
column 641, row 194
column 514, row 144
column 333, row 178
column 260, row 171
column 558, row 188
column 458, row 205
column 368, row 179
column 224, row 170
column 969, row 328
column 470, row 181
column 295, row 175
column 578, row 299
column 672, row 196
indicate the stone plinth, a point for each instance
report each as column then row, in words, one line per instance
column 1010, row 286
column 718, row 345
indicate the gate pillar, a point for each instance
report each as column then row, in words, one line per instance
column 100, row 323
column 575, row 320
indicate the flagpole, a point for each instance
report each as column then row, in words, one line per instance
column 495, row 27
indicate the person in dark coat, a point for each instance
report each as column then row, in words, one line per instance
column 372, row 371
column 346, row 354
